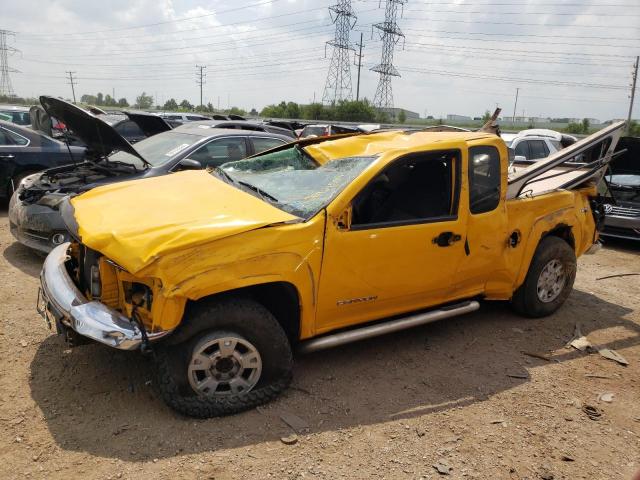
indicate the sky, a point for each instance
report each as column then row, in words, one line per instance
column 571, row 58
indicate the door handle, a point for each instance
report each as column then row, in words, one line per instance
column 446, row 239
column 7, row 155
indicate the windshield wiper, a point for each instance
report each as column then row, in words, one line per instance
column 259, row 191
column 223, row 174
column 125, row 164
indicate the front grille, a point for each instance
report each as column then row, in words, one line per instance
column 626, row 212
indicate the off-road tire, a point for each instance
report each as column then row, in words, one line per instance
column 525, row 301
column 238, row 315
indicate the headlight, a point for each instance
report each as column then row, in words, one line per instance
column 29, row 179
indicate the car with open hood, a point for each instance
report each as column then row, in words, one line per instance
column 24, row 151
column 222, row 274
column 34, row 218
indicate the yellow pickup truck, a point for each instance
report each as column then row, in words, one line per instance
column 223, row 274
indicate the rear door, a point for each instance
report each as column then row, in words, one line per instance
column 221, row 150
column 260, row 144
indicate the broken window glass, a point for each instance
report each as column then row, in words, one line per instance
column 293, row 181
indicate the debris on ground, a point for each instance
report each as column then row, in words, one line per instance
column 541, row 356
column 297, row 424
column 618, row 276
column 594, row 413
column 613, row 355
column 606, row 397
column 290, row 439
column 443, row 467
column 579, row 341
column 524, row 375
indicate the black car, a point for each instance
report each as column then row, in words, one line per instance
column 622, row 210
column 256, row 127
column 24, row 151
column 34, row 218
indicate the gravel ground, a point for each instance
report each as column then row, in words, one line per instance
column 459, row 394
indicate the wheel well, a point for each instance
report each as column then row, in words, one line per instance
column 564, row 232
column 280, row 298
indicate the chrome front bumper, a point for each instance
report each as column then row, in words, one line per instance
column 61, row 301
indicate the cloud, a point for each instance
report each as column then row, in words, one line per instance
column 461, row 57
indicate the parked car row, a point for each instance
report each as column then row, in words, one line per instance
column 109, row 158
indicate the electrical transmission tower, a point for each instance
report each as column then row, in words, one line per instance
column 200, row 76
column 391, row 35
column 338, row 85
column 5, row 81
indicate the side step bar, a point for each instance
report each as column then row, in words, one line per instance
column 362, row 333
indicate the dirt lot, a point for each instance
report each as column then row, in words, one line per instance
column 459, row 392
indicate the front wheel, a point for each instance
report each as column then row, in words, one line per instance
column 236, row 358
column 549, row 280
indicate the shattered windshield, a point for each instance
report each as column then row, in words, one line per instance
column 292, row 181
column 157, row 149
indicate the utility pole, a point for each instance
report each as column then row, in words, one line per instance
column 359, row 55
column 5, row 81
column 515, row 106
column 72, row 82
column 634, row 80
column 200, row 76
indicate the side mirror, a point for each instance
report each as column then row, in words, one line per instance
column 189, row 164
column 520, row 158
column 343, row 222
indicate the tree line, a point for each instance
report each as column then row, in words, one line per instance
column 344, row 110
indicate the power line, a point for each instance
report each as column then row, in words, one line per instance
column 391, row 34
column 162, row 65
column 561, row 14
column 591, row 37
column 503, row 50
column 525, row 42
column 338, row 84
column 519, row 80
column 525, row 4
column 198, row 48
column 522, row 24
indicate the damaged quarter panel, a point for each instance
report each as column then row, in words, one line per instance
column 562, row 213
column 294, row 256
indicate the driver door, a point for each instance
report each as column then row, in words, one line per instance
column 402, row 247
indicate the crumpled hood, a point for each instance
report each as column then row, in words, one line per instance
column 133, row 223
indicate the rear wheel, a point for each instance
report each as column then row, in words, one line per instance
column 235, row 357
column 549, row 280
